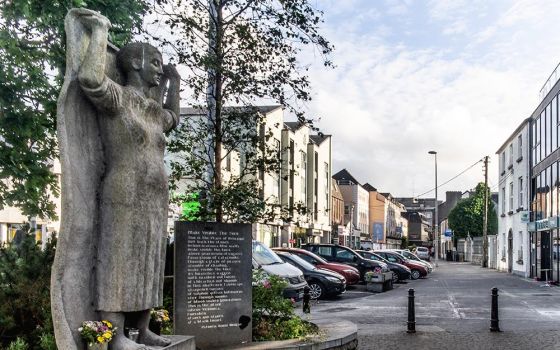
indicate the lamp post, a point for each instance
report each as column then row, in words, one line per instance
column 436, row 226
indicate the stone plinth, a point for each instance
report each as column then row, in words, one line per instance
column 178, row 342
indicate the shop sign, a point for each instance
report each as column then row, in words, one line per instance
column 524, row 216
column 544, row 224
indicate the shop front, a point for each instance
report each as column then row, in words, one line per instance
column 544, row 239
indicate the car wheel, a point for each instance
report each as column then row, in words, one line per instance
column 414, row 274
column 395, row 277
column 316, row 290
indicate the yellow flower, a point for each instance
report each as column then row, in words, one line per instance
column 100, row 339
column 108, row 324
column 107, row 335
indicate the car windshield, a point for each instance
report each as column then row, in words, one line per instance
column 263, row 255
column 310, row 257
column 409, row 255
column 372, row 256
column 304, row 264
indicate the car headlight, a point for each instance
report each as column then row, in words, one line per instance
column 333, row 279
column 349, row 271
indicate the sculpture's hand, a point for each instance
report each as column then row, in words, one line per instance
column 170, row 72
column 93, row 20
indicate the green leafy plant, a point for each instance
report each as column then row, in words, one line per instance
column 25, row 271
column 273, row 315
column 47, row 341
column 18, row 344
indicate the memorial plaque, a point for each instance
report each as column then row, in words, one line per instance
column 213, row 283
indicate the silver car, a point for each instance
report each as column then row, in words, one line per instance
column 423, row 253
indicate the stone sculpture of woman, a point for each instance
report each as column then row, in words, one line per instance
column 111, row 124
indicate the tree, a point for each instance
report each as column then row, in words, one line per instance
column 467, row 217
column 239, row 53
column 32, row 46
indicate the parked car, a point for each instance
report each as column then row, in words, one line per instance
column 351, row 274
column 322, row 283
column 344, row 255
column 416, row 270
column 400, row 272
column 423, row 253
column 264, row 258
column 411, row 256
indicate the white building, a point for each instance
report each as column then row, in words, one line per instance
column 306, row 184
column 300, row 191
column 513, row 203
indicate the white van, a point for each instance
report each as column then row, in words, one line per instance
column 266, row 259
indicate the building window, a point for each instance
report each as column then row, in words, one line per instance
column 228, row 161
column 520, row 189
column 520, row 252
column 510, row 154
column 553, row 125
column 327, row 176
column 503, row 161
column 503, row 200
column 276, row 172
column 511, row 196
column 519, row 146
column 303, row 177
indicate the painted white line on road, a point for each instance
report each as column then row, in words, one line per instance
column 454, row 307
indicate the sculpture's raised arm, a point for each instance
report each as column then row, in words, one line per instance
column 172, row 101
column 92, row 69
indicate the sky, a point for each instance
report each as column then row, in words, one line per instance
column 453, row 76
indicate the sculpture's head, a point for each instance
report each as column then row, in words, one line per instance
column 142, row 59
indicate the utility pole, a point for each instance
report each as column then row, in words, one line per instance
column 485, row 222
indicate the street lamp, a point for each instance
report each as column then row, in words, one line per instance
column 436, row 228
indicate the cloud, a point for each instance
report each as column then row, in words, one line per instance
column 391, row 100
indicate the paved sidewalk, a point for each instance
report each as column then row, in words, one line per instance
column 453, row 312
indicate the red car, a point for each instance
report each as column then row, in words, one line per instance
column 351, row 274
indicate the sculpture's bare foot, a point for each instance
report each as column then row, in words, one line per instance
column 150, row 338
column 120, row 342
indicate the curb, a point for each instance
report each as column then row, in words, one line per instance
column 334, row 335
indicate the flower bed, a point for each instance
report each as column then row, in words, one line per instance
column 273, row 315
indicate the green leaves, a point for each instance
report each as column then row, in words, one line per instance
column 32, row 44
column 468, row 215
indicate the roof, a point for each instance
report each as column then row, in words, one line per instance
column 293, row 126
column 202, row 111
column 318, row 139
column 345, row 175
column 369, row 187
column 525, row 122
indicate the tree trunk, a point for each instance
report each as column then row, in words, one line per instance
column 215, row 101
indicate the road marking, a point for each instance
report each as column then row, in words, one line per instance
column 455, row 307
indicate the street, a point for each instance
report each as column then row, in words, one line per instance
column 453, row 312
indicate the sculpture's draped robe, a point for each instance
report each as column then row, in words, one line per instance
column 133, row 199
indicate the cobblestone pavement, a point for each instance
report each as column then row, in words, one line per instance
column 453, row 312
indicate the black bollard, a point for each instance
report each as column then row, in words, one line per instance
column 411, row 324
column 494, row 321
column 306, row 299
